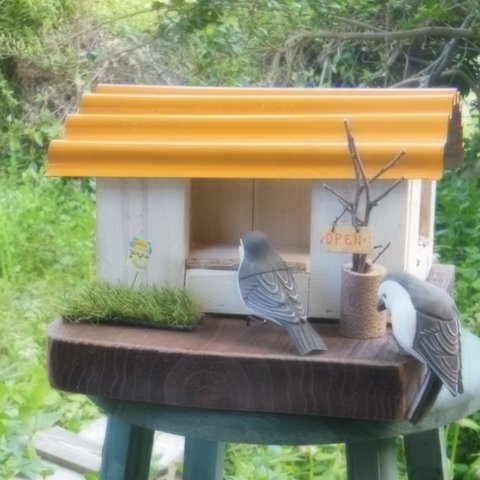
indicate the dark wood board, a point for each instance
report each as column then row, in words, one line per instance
column 224, row 364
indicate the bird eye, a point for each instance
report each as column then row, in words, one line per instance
column 384, row 296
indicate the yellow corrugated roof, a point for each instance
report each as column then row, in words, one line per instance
column 162, row 131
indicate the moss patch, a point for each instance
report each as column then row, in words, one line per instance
column 100, row 302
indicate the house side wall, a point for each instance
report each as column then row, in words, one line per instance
column 154, row 209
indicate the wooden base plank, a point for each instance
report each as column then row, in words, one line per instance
column 68, row 450
column 224, row 364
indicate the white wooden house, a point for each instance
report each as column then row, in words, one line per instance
column 192, row 169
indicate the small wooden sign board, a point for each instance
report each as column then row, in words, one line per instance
column 346, row 239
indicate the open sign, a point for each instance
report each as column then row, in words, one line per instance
column 346, row 239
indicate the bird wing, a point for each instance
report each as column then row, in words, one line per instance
column 437, row 341
column 425, row 398
column 273, row 295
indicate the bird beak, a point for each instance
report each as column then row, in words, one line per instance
column 381, row 306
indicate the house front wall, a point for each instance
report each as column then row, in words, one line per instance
column 194, row 230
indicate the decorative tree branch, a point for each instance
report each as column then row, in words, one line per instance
column 388, row 166
column 348, row 205
column 363, row 197
column 382, row 251
column 394, row 185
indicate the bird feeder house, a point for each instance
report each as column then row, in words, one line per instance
column 192, row 169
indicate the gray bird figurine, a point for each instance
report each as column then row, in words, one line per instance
column 268, row 289
column 425, row 324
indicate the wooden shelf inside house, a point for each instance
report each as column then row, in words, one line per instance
column 222, row 211
column 225, row 257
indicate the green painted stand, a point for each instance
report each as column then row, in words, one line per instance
column 372, row 459
column 127, row 451
column 204, row 459
column 426, row 455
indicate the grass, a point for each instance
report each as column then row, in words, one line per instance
column 100, row 302
column 458, row 242
column 46, row 244
column 265, row 462
column 47, row 247
column 458, row 231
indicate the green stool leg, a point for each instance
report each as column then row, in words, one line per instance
column 426, row 455
column 126, row 451
column 372, row 460
column 203, row 459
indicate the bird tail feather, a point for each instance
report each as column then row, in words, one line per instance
column 425, row 398
column 305, row 338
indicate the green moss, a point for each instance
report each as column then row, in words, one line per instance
column 101, row 302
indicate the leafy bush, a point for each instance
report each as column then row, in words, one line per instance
column 285, row 463
column 300, row 42
column 46, row 243
column 458, row 229
column 46, row 223
column 24, row 142
column 458, row 242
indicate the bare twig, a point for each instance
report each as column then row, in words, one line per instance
column 382, row 251
column 447, row 55
column 354, row 153
column 338, row 218
column 343, row 201
column 420, row 78
column 363, row 192
column 445, row 32
column 394, row 185
column 472, row 84
column 357, row 23
column 363, row 185
column 111, row 20
column 388, row 166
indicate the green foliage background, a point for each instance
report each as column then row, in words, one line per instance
column 52, row 51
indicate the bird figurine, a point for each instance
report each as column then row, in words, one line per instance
column 425, row 324
column 268, row 290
